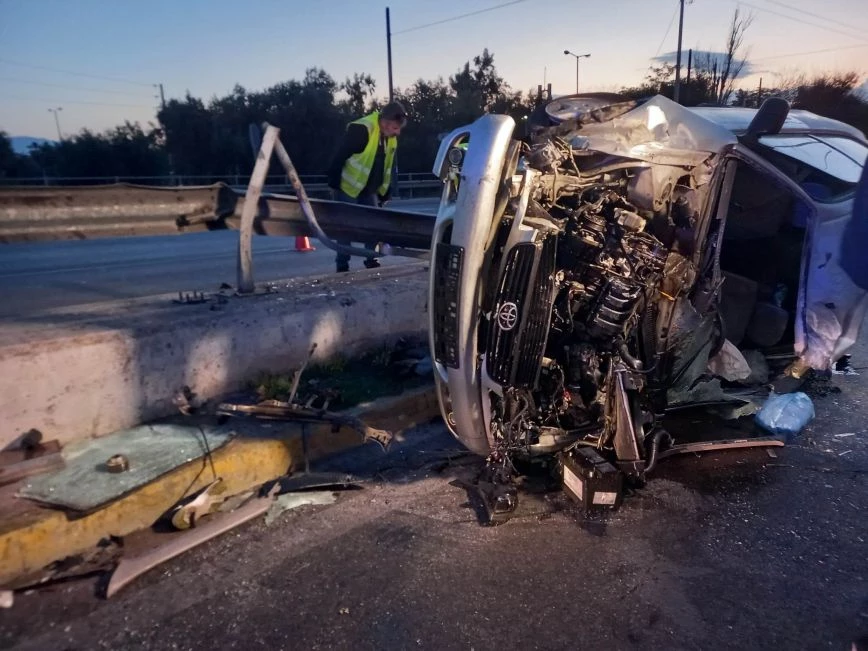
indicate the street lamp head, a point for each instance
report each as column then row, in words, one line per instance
column 566, row 51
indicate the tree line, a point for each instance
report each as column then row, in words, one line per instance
column 210, row 140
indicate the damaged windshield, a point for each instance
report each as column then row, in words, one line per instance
column 830, row 165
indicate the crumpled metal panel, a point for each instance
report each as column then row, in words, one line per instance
column 85, row 484
column 659, row 131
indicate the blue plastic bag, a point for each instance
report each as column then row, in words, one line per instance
column 786, row 414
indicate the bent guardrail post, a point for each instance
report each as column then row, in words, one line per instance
column 307, row 208
column 248, row 213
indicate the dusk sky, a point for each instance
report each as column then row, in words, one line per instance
column 119, row 48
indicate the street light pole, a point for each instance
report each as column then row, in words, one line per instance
column 57, row 120
column 578, row 56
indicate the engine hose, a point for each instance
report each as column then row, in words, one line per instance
column 655, row 448
column 632, row 362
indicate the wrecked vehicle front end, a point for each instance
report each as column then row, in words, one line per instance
column 577, row 290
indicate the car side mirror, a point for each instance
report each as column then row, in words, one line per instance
column 769, row 119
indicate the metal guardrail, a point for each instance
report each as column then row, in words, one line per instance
column 40, row 212
column 409, row 184
column 34, row 214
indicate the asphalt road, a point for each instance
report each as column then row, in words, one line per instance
column 46, row 275
column 731, row 550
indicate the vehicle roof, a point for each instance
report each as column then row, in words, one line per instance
column 737, row 119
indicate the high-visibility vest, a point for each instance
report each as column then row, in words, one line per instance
column 357, row 168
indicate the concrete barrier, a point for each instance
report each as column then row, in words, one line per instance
column 85, row 372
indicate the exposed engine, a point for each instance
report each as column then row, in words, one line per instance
column 570, row 335
column 578, row 289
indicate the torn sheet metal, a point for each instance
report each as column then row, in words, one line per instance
column 129, row 569
column 152, row 450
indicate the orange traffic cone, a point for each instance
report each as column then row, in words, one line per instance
column 303, row 244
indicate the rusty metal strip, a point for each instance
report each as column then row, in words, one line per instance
column 727, row 444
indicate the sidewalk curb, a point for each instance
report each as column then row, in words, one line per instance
column 32, row 541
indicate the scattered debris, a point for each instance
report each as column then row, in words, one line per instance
column 284, row 411
column 190, row 298
column 130, row 569
column 843, row 367
column 186, row 401
column 320, row 480
column 7, row 598
column 289, row 501
column 205, row 502
column 840, row 436
column 117, row 463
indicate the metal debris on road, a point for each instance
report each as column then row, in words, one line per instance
column 289, row 501
column 205, row 502
column 292, row 412
column 129, row 569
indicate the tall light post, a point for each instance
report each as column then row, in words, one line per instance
column 57, row 120
column 578, row 56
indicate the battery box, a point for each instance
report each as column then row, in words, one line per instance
column 590, row 480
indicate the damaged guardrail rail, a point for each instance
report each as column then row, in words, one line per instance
column 30, row 214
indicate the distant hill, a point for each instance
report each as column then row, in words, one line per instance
column 21, row 144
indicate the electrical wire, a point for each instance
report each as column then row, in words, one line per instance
column 67, row 101
column 83, row 88
column 77, row 74
column 798, row 54
column 794, row 19
column 810, row 13
column 668, row 29
column 448, row 20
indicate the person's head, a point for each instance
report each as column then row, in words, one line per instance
column 393, row 117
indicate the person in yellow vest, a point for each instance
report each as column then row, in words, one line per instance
column 361, row 169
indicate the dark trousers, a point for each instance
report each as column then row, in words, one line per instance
column 364, row 199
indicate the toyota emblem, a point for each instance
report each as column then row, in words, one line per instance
column 507, row 316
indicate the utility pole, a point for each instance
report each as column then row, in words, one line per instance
column 677, row 94
column 57, row 120
column 389, row 53
column 689, row 64
column 759, row 94
column 162, row 97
